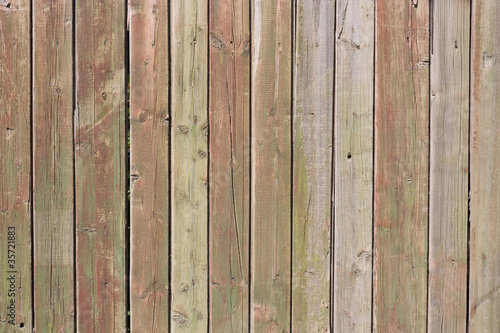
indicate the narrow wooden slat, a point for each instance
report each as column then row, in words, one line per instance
column 448, row 202
column 53, row 166
column 229, row 210
column 189, row 312
column 401, row 165
column 149, row 165
column 15, row 166
column 100, row 166
column 312, row 164
column 484, row 301
column 354, row 89
column 271, row 165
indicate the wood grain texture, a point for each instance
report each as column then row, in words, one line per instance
column 53, row 166
column 149, row 165
column 100, row 166
column 354, row 90
column 449, row 150
column 229, row 210
column 15, row 165
column 312, row 165
column 189, row 312
column 401, row 165
column 271, row 165
column 484, row 295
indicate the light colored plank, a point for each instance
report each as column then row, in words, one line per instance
column 484, row 294
column 354, row 80
column 189, row 312
column 448, row 202
column 149, row 165
column 271, row 165
column 53, row 166
column 312, row 165
column 15, row 168
column 100, row 166
column 401, row 165
column 229, row 210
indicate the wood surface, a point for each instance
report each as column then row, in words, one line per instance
column 229, row 192
column 15, row 164
column 53, row 205
column 271, row 73
column 401, row 165
column 312, row 164
column 100, row 160
column 149, row 165
column 189, row 46
column 449, row 169
column 484, row 285
column 354, row 90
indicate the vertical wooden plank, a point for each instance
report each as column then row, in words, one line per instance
column 484, row 297
column 271, row 165
column 149, row 165
column 53, row 165
column 401, row 165
column 229, row 210
column 15, row 167
column 312, row 164
column 189, row 312
column 354, row 80
column 448, row 205
column 100, row 166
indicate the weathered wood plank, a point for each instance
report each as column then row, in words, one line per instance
column 229, row 193
column 15, row 165
column 53, row 166
column 271, row 165
column 149, row 165
column 484, row 294
column 189, row 312
column 448, row 201
column 354, row 81
column 312, row 164
column 401, row 165
column 100, row 166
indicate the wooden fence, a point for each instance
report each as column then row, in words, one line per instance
column 250, row 165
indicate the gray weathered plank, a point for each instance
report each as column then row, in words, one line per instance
column 484, row 294
column 448, row 201
column 312, row 165
column 354, row 81
column 271, row 165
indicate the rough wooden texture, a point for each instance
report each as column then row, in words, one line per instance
column 354, row 89
column 484, row 301
column 312, row 164
column 15, row 168
column 149, row 165
column 189, row 312
column 271, row 165
column 229, row 210
column 53, row 166
column 448, row 201
column 401, row 165
column 100, row 166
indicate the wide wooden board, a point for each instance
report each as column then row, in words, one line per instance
column 401, row 165
column 229, row 210
column 53, row 205
column 100, row 141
